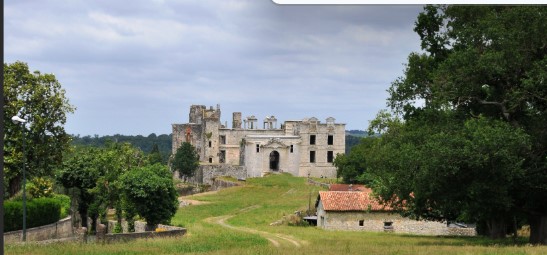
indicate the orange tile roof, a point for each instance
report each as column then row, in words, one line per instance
column 351, row 201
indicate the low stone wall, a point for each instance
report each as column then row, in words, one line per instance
column 316, row 183
column 57, row 230
column 139, row 226
column 222, row 184
column 167, row 231
column 206, row 174
column 124, row 237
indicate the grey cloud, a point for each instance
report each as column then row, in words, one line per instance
column 138, row 65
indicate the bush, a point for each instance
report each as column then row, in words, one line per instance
column 40, row 211
column 64, row 200
column 40, row 187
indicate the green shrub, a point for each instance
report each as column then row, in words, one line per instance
column 40, row 187
column 40, row 211
column 64, row 200
column 117, row 228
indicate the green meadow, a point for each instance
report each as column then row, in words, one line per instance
column 237, row 221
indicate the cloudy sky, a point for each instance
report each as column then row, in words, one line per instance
column 135, row 67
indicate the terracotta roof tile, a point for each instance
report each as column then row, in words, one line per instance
column 351, row 201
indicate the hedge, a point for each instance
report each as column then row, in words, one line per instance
column 40, row 211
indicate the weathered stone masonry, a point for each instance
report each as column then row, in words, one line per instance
column 301, row 147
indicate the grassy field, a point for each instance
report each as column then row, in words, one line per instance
column 237, row 221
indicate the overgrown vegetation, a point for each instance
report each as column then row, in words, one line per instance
column 263, row 201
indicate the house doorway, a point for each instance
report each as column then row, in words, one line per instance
column 274, row 161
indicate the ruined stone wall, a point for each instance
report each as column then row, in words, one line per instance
column 234, row 140
column 179, row 136
column 321, row 167
column 374, row 221
column 206, row 173
column 258, row 163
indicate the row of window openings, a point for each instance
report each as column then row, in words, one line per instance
column 387, row 224
column 330, row 139
column 330, row 156
column 222, row 140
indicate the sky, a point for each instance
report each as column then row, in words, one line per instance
column 135, row 67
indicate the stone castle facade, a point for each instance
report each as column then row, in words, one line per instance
column 301, row 147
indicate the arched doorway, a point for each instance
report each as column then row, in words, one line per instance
column 274, row 161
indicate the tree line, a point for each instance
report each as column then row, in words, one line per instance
column 149, row 144
column 465, row 138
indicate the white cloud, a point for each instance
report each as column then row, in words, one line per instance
column 138, row 65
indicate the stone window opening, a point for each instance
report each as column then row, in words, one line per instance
column 312, row 139
column 210, row 144
column 388, row 225
column 222, row 157
column 330, row 140
column 292, row 148
column 312, row 156
column 361, row 223
column 222, row 139
column 330, row 156
column 210, row 160
column 257, row 148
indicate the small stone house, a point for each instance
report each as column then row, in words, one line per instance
column 358, row 210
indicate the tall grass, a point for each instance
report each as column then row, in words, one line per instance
column 265, row 200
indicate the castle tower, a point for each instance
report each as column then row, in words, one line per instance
column 236, row 120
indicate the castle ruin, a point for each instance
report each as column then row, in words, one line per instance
column 300, row 147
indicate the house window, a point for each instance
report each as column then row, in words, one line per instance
column 330, row 140
column 257, row 148
column 361, row 223
column 312, row 139
column 330, row 156
column 312, row 156
column 292, row 148
column 210, row 160
column 210, row 144
column 222, row 139
column 388, row 225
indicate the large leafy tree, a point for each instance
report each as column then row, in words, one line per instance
column 486, row 62
column 40, row 99
column 186, row 160
column 150, row 191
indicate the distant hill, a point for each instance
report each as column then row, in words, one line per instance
column 145, row 143
column 359, row 133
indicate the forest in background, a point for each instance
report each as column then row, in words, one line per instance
column 164, row 142
column 145, row 143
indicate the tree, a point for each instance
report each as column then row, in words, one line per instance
column 79, row 171
column 186, row 160
column 155, row 155
column 479, row 62
column 40, row 99
column 152, row 194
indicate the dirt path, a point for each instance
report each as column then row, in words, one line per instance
column 276, row 239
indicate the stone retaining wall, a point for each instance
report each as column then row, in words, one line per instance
column 109, row 238
column 222, row 184
column 206, row 173
column 57, row 230
column 167, row 231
